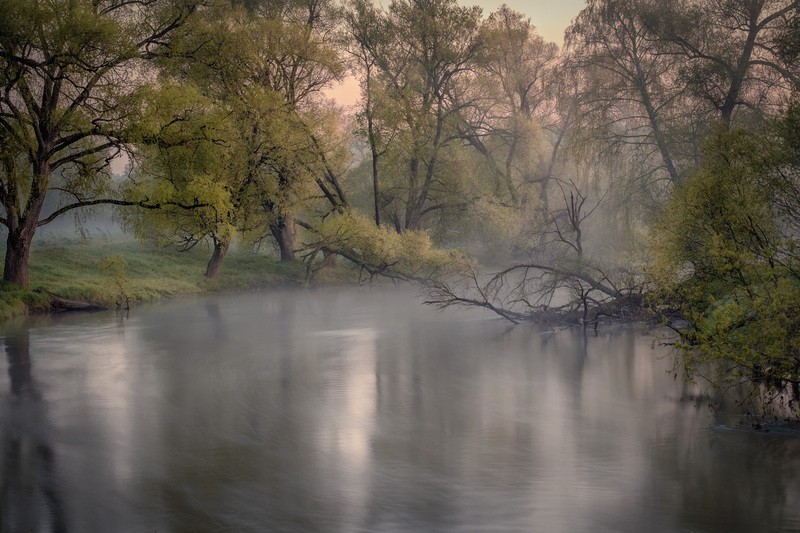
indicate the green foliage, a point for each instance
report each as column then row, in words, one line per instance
column 234, row 128
column 725, row 257
column 721, row 219
column 17, row 301
column 113, row 267
column 417, row 56
column 410, row 254
column 70, row 71
column 189, row 158
column 85, row 271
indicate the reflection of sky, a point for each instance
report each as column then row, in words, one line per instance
column 96, row 381
column 345, row 422
column 362, row 411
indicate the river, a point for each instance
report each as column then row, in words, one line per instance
column 362, row 410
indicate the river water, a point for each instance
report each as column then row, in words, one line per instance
column 361, row 410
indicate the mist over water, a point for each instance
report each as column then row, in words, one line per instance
column 345, row 410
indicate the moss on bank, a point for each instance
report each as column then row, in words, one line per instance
column 108, row 272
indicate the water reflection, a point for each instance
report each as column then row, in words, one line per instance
column 29, row 492
column 345, row 411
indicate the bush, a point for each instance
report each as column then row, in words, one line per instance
column 725, row 259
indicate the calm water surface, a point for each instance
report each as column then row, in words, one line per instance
column 346, row 410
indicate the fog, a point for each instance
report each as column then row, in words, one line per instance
column 344, row 410
column 538, row 182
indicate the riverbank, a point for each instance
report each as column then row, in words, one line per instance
column 110, row 273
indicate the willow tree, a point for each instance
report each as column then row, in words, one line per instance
column 289, row 49
column 419, row 62
column 231, row 126
column 187, row 154
column 514, row 71
column 68, row 74
column 632, row 99
column 299, row 59
column 731, row 51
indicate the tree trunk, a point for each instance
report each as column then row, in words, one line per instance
column 643, row 87
column 284, row 232
column 376, row 189
column 18, row 249
column 544, row 205
column 411, row 200
column 22, row 226
column 373, row 147
column 328, row 259
column 58, row 303
column 396, row 223
column 215, row 263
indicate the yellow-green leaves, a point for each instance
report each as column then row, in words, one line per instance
column 234, row 125
column 407, row 254
column 723, row 257
column 721, row 219
column 188, row 157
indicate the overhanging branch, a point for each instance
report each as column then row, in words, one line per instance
column 110, row 201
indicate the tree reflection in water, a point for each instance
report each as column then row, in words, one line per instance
column 333, row 411
column 29, row 491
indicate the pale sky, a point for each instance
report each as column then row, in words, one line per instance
column 551, row 18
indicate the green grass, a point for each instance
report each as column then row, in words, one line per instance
column 17, row 301
column 81, row 271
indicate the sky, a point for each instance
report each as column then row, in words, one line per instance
column 551, row 18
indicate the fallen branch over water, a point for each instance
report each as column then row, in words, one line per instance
column 575, row 294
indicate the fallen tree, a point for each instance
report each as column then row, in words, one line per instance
column 545, row 293
column 559, row 283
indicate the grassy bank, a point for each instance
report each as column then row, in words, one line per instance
column 107, row 272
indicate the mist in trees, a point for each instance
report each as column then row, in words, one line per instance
column 634, row 168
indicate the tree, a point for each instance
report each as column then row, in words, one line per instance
column 425, row 51
column 726, row 260
column 632, row 96
column 560, row 282
column 69, row 71
column 368, row 34
column 301, row 61
column 731, row 50
column 505, row 125
column 241, row 139
column 191, row 153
